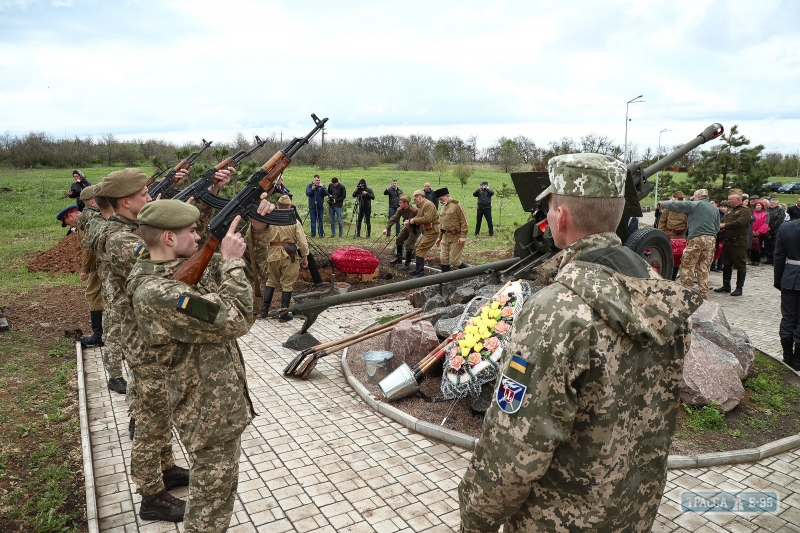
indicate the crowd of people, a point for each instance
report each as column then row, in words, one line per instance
column 543, row 447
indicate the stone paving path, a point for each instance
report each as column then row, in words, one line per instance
column 318, row 459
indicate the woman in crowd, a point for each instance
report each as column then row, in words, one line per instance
column 760, row 229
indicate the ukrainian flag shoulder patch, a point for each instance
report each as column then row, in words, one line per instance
column 140, row 250
column 519, row 364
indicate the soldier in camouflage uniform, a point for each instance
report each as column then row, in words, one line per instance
column 192, row 331
column 282, row 244
column 428, row 218
column 454, row 231
column 589, row 387
column 95, row 241
column 89, row 269
column 407, row 237
column 153, row 467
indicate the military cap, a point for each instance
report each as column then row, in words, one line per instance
column 405, row 197
column 589, row 175
column 98, row 190
column 168, row 214
column 740, row 192
column 87, row 193
column 285, row 200
column 419, row 192
column 441, row 192
column 679, row 195
column 701, row 192
column 123, row 183
column 63, row 214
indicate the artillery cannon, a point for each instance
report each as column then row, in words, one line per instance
column 534, row 246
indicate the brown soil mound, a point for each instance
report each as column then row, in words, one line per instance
column 64, row 257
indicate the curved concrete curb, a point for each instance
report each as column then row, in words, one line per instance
column 465, row 441
column 86, row 443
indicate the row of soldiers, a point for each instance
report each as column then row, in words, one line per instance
column 424, row 228
column 177, row 341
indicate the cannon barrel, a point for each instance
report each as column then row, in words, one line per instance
column 312, row 308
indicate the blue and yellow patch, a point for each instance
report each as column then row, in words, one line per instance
column 183, row 301
column 140, row 250
column 510, row 394
column 519, row 364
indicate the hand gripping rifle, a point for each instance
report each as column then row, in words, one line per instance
column 199, row 189
column 164, row 187
column 261, row 181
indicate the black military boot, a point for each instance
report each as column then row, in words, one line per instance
column 464, row 265
column 399, row 258
column 727, row 273
column 175, row 476
column 409, row 257
column 131, row 427
column 118, row 385
column 445, row 268
column 96, row 338
column 420, row 270
column 740, row 276
column 163, row 506
column 266, row 301
column 788, row 347
column 286, row 299
column 795, row 364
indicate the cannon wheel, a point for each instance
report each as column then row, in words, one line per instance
column 655, row 247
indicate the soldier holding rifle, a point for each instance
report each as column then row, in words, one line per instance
column 407, row 237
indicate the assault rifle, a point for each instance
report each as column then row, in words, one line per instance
column 262, row 180
column 199, row 189
column 164, row 186
column 152, row 179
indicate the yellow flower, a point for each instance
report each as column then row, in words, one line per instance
column 479, row 347
column 485, row 334
column 465, row 351
column 495, row 313
column 491, row 324
column 495, row 305
column 471, row 329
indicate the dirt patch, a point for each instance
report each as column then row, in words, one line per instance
column 64, row 257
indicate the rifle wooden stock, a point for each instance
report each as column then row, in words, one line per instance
column 224, row 164
column 192, row 270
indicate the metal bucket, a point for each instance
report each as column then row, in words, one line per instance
column 378, row 364
column 399, row 384
column 340, row 287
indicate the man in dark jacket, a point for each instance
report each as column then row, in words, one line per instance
column 364, row 197
column 79, row 183
column 484, row 195
column 430, row 195
column 787, row 280
column 336, row 195
column 393, row 192
column 316, row 193
column 734, row 228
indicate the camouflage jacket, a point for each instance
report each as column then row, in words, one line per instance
column 95, row 241
column 205, row 369
column 454, row 221
column 123, row 246
column 587, row 400
column 88, row 258
column 737, row 226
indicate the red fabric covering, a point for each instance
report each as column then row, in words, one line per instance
column 718, row 252
column 353, row 260
column 678, row 246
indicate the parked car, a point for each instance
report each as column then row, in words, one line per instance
column 772, row 186
column 790, row 187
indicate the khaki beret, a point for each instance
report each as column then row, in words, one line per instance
column 124, row 183
column 405, row 197
column 98, row 190
column 419, row 192
column 168, row 214
column 285, row 200
column 679, row 195
column 740, row 192
column 87, row 193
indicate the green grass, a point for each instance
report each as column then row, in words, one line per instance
column 769, row 392
column 705, row 418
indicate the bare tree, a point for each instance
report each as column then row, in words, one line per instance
column 109, row 144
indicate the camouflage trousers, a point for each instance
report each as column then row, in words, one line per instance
column 151, row 452
column 92, row 293
column 451, row 251
column 213, row 478
column 112, row 351
column 697, row 257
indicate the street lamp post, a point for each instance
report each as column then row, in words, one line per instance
column 655, row 191
column 625, row 151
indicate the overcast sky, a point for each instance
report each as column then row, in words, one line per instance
column 182, row 70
